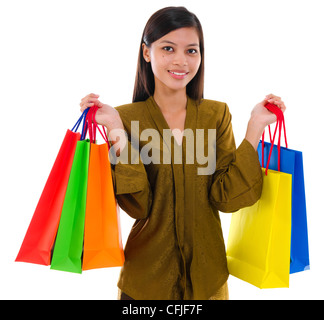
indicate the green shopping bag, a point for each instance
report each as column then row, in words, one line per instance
column 69, row 240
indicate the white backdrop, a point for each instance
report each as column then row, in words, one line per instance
column 55, row 52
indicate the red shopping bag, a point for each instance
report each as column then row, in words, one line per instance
column 38, row 242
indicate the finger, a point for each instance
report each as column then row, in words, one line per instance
column 264, row 102
column 99, row 104
column 283, row 107
column 269, row 96
column 94, row 100
column 89, row 96
column 272, row 97
column 86, row 105
column 277, row 102
column 280, row 104
column 93, row 96
column 87, row 99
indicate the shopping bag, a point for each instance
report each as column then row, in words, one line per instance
column 291, row 161
column 102, row 237
column 258, row 248
column 69, row 240
column 38, row 241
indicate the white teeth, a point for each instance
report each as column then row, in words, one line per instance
column 177, row 73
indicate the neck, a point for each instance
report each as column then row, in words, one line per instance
column 171, row 101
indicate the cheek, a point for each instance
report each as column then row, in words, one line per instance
column 196, row 64
column 159, row 63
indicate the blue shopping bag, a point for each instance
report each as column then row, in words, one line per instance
column 291, row 161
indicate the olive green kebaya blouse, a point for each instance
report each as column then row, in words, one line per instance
column 176, row 249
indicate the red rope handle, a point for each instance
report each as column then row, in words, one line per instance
column 280, row 123
column 92, row 126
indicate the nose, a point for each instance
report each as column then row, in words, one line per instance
column 180, row 59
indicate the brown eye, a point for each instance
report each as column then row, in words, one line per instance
column 169, row 49
column 192, row 51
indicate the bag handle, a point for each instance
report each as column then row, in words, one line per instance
column 76, row 126
column 92, row 126
column 280, row 123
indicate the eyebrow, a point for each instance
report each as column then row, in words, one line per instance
column 189, row 45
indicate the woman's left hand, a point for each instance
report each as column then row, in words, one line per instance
column 262, row 114
column 261, row 117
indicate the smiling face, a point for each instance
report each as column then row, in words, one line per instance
column 175, row 58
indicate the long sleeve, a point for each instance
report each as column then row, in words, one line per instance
column 131, row 185
column 237, row 182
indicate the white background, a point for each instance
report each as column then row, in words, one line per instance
column 55, row 52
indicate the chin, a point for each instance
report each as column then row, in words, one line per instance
column 177, row 87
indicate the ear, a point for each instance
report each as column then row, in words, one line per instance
column 146, row 52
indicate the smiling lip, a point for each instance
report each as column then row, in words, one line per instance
column 178, row 74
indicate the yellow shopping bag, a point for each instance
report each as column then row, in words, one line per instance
column 258, row 248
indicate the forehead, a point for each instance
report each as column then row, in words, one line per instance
column 182, row 36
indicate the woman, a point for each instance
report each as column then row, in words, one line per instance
column 176, row 249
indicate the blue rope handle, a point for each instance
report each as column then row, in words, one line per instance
column 84, row 127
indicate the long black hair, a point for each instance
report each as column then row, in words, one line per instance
column 160, row 23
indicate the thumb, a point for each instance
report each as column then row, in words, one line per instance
column 264, row 102
column 99, row 104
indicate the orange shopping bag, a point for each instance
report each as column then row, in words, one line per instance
column 102, row 235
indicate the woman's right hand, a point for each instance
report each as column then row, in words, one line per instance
column 106, row 115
